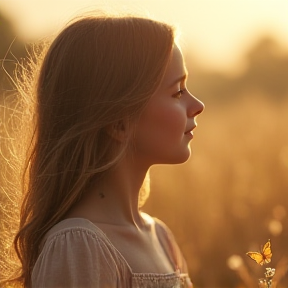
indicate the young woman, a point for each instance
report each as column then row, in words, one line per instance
column 111, row 101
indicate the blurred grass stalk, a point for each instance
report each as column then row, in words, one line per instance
column 235, row 262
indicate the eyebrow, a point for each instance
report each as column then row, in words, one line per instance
column 180, row 79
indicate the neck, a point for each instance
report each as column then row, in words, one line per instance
column 114, row 200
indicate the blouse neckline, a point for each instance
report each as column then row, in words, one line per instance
column 145, row 275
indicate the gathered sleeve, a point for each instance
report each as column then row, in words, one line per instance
column 75, row 258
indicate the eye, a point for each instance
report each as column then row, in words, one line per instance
column 179, row 93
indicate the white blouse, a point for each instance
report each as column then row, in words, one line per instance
column 76, row 253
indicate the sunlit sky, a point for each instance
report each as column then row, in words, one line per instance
column 217, row 31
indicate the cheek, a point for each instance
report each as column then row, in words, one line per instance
column 159, row 135
column 165, row 121
column 171, row 120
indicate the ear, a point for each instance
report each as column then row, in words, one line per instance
column 119, row 130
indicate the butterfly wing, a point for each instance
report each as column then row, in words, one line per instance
column 257, row 257
column 267, row 252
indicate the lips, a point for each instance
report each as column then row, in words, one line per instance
column 190, row 130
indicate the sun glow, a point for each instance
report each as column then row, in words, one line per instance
column 215, row 31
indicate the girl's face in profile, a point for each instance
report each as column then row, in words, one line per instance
column 165, row 128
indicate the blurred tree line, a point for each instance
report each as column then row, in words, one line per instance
column 266, row 70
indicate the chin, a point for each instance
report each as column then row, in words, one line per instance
column 185, row 155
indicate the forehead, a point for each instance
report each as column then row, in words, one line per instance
column 176, row 67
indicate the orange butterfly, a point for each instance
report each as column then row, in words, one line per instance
column 263, row 257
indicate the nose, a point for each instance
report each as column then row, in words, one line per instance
column 195, row 107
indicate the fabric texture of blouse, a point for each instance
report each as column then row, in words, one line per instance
column 76, row 253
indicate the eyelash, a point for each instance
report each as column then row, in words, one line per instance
column 179, row 93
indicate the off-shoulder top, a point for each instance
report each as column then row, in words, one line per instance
column 76, row 253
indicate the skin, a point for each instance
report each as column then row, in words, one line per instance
column 161, row 135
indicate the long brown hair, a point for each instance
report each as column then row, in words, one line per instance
column 97, row 72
